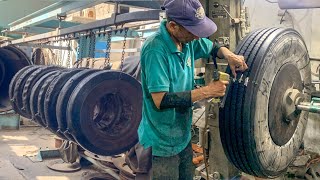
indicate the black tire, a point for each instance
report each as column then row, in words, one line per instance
column 105, row 93
column 31, row 81
column 51, row 98
column 2, row 72
column 244, row 122
column 35, row 94
column 12, row 65
column 17, row 102
column 14, row 81
column 23, row 57
column 42, row 93
column 63, row 99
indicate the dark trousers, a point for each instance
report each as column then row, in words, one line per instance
column 175, row 167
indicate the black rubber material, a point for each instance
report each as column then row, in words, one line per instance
column 41, row 98
column 35, row 94
column 223, row 125
column 23, row 57
column 63, row 99
column 17, row 89
column 31, row 81
column 82, row 106
column 242, row 120
column 2, row 72
column 14, row 80
column 12, row 64
column 237, row 156
column 51, row 98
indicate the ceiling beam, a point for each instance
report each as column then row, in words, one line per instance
column 152, row 4
column 139, row 16
column 51, row 12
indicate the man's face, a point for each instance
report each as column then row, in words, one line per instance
column 182, row 34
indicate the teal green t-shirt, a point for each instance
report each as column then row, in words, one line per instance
column 165, row 69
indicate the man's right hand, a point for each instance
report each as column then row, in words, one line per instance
column 213, row 89
column 217, row 88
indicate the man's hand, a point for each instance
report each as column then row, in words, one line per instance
column 213, row 89
column 236, row 62
column 217, row 88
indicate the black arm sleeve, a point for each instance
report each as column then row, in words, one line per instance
column 176, row 100
column 215, row 49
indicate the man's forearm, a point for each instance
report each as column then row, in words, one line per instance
column 223, row 52
column 199, row 94
column 185, row 99
column 176, row 100
column 165, row 100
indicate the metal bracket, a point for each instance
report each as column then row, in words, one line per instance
column 132, row 50
column 61, row 17
column 44, row 154
column 45, row 46
column 100, row 165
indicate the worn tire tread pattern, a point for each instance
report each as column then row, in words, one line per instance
column 51, row 98
column 235, row 125
column 41, row 98
column 35, row 94
column 18, row 89
column 31, row 81
column 63, row 99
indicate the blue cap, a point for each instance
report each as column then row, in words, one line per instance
column 191, row 15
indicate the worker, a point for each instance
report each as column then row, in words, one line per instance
column 167, row 77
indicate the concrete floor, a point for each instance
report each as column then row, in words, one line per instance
column 16, row 145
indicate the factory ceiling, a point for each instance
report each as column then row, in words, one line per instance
column 12, row 10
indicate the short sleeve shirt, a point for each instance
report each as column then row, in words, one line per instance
column 165, row 69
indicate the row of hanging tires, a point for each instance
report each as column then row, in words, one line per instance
column 88, row 106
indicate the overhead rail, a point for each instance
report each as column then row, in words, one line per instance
column 100, row 25
column 50, row 13
column 152, row 4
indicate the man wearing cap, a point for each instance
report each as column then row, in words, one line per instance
column 167, row 77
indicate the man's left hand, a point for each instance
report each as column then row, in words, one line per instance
column 236, row 63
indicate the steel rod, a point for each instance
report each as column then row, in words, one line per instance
column 100, row 166
column 310, row 108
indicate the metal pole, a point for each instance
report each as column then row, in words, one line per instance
column 312, row 109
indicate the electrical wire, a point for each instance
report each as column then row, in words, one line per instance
column 271, row 1
column 198, row 118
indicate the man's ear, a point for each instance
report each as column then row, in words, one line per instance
column 173, row 25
